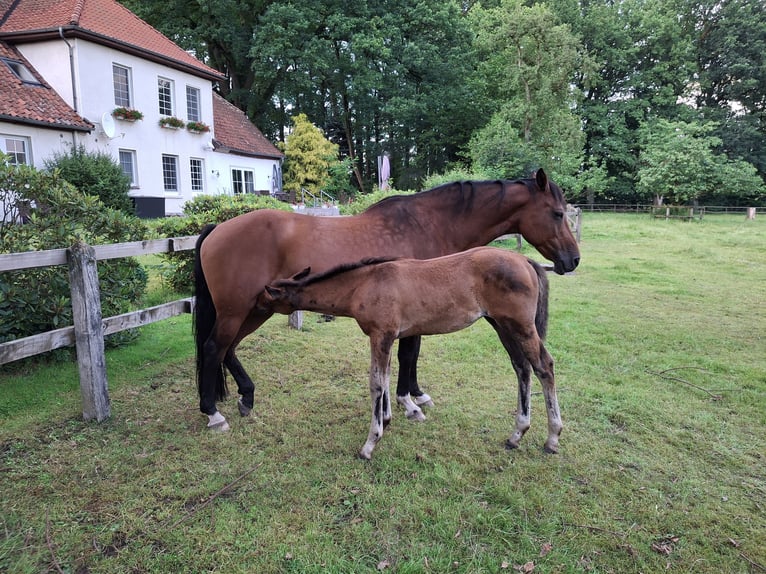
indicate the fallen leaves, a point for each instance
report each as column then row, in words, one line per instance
column 665, row 545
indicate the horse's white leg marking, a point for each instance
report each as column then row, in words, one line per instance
column 523, row 410
column 217, row 422
column 555, row 426
column 424, row 401
column 412, row 411
column 379, row 393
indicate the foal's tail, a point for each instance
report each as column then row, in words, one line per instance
column 204, row 320
column 541, row 317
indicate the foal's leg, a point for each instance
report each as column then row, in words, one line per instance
column 544, row 371
column 408, row 393
column 523, row 370
column 380, row 372
column 524, row 376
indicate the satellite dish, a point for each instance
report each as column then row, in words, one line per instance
column 107, row 125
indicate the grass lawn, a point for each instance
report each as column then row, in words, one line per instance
column 660, row 348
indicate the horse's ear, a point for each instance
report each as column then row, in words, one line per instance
column 542, row 179
column 301, row 274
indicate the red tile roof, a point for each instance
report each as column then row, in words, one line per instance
column 235, row 133
column 101, row 21
column 33, row 103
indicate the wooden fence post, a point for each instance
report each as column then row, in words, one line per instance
column 295, row 320
column 89, row 336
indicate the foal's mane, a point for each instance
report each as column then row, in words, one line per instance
column 333, row 272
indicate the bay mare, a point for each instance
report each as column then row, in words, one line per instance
column 238, row 258
column 408, row 297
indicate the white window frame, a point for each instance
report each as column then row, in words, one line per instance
column 193, row 104
column 120, row 100
column 199, row 176
column 239, row 183
column 170, row 172
column 165, row 96
column 13, row 153
column 131, row 169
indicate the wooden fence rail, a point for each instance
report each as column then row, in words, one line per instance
column 89, row 327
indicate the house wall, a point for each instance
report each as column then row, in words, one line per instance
column 43, row 142
column 148, row 142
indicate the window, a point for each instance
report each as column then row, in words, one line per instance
column 21, row 71
column 197, row 170
column 121, row 81
column 242, row 181
column 17, row 148
column 192, row 104
column 165, row 93
column 170, row 173
column 128, row 165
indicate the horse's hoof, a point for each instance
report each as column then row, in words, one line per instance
column 550, row 450
column 217, row 422
column 511, row 445
column 244, row 410
column 423, row 401
column 222, row 426
column 416, row 416
column 362, row 456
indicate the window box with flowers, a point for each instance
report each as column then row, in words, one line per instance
column 197, row 127
column 171, row 123
column 127, row 114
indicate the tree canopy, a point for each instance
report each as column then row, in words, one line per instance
column 500, row 86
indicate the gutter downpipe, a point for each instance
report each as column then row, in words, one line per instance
column 75, row 103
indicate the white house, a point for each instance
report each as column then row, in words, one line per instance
column 67, row 65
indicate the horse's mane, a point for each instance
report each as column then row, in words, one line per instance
column 463, row 199
column 301, row 280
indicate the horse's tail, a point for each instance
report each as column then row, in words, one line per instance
column 204, row 320
column 541, row 317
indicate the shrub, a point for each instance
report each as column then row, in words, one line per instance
column 94, row 173
column 362, row 202
column 56, row 215
column 199, row 212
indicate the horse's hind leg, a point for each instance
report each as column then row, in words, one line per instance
column 380, row 374
column 523, row 370
column 408, row 393
column 523, row 415
column 544, row 371
column 244, row 383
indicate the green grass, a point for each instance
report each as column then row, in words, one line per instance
column 661, row 366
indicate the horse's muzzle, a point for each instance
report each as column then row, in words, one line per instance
column 566, row 265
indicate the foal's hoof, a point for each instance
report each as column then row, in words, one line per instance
column 416, row 416
column 550, row 449
column 511, row 445
column 244, row 410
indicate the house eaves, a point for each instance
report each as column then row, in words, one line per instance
column 76, row 32
column 40, row 123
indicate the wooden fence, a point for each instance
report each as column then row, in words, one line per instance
column 89, row 327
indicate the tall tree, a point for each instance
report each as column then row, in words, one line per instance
column 678, row 163
column 527, row 65
column 220, row 33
